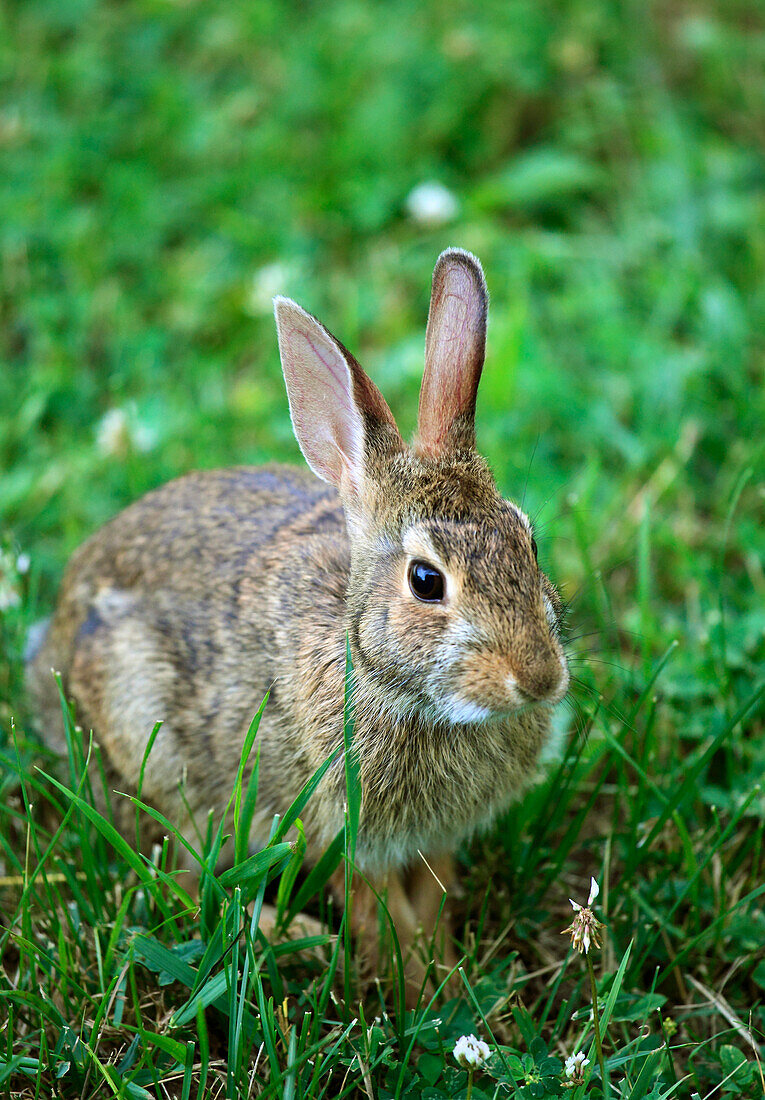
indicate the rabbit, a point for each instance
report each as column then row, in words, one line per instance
column 211, row 590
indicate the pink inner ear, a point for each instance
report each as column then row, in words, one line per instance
column 455, row 338
column 454, row 346
column 327, row 423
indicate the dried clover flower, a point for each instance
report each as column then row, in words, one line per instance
column 585, row 928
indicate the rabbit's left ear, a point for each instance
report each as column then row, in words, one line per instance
column 337, row 412
column 455, row 344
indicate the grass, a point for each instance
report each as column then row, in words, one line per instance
column 164, row 168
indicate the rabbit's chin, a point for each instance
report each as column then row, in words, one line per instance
column 463, row 712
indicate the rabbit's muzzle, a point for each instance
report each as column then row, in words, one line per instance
column 482, row 676
column 499, row 684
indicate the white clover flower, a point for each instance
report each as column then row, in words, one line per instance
column 575, row 1064
column 112, row 436
column 471, row 1053
column 120, row 430
column 585, row 928
column 265, row 284
column 431, row 204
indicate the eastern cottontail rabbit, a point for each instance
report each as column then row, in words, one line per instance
column 208, row 591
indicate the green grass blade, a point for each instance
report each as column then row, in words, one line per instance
column 244, row 806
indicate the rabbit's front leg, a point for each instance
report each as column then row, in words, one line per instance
column 370, row 926
column 413, row 901
column 427, row 886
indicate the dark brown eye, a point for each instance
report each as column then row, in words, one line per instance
column 534, row 548
column 426, row 582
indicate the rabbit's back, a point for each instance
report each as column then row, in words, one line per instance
column 176, row 611
column 201, row 528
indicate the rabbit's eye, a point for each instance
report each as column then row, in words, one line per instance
column 534, row 548
column 426, row 582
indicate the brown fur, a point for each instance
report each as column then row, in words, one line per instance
column 198, row 598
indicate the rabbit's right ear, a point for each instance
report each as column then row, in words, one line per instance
column 335, row 407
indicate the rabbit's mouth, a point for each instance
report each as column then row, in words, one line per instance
column 459, row 711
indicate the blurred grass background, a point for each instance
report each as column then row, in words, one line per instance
column 165, row 168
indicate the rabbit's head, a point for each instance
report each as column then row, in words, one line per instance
column 448, row 612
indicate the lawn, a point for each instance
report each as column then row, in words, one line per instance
column 165, row 169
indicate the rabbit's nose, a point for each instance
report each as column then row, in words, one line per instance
column 546, row 681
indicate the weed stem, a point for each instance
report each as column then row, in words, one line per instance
column 595, row 1024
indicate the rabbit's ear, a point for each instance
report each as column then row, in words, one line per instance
column 454, row 350
column 335, row 408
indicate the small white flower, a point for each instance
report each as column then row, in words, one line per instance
column 265, row 284
column 23, row 562
column 120, row 430
column 575, row 1064
column 431, row 204
column 112, row 436
column 471, row 1053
